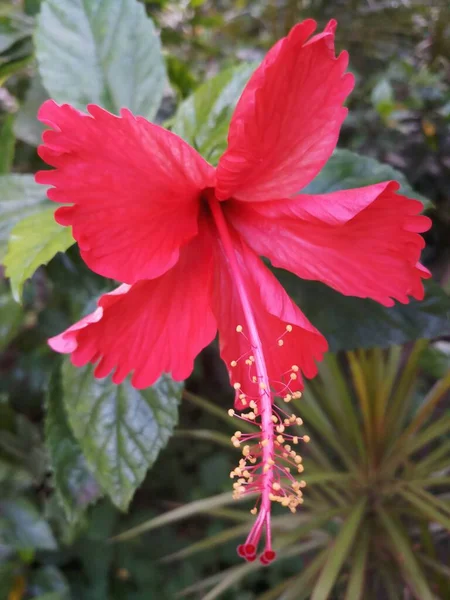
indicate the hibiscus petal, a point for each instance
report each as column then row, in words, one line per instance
column 273, row 311
column 362, row 242
column 153, row 327
column 288, row 118
column 134, row 188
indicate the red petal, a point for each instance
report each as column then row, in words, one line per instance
column 150, row 328
column 362, row 242
column 287, row 121
column 134, row 188
column 273, row 310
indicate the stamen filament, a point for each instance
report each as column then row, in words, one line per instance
column 265, row 396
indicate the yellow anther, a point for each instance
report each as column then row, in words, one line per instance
column 237, row 386
column 246, row 474
column 306, row 439
column 300, row 468
column 298, row 459
column 293, row 453
column 302, row 483
column 295, row 368
column 289, row 328
column 252, row 404
column 252, row 358
column 287, row 398
column 251, row 415
column 246, row 450
column 254, row 511
column 232, row 475
column 293, row 376
column 239, row 328
column 297, row 395
column 280, row 428
column 271, row 462
column 300, row 422
column 231, row 412
column 266, row 468
column 254, row 379
column 262, row 385
column 238, row 434
column 280, row 342
column 248, row 362
column 264, row 443
column 280, row 439
column 274, row 419
column 276, row 487
column 287, row 448
column 295, row 439
column 233, row 363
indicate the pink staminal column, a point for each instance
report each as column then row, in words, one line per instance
column 248, row 550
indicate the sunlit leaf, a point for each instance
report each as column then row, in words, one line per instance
column 101, row 52
column 34, row 241
column 204, row 117
column 20, row 196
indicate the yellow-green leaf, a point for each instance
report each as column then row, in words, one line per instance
column 34, row 242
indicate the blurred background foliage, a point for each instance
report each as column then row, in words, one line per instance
column 376, row 516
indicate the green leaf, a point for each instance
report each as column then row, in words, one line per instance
column 120, row 429
column 350, row 323
column 341, row 548
column 103, row 52
column 401, row 545
column 7, row 144
column 203, row 118
column 34, row 242
column 23, row 528
column 75, row 484
column 20, row 196
column 11, row 316
column 346, row 170
column 13, row 29
column 26, row 126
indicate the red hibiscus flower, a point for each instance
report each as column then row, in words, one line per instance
column 185, row 238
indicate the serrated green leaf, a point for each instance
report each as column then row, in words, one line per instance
column 26, row 125
column 119, row 428
column 20, row 196
column 34, row 242
column 346, row 170
column 104, row 52
column 349, row 323
column 203, row 118
column 75, row 485
column 23, row 528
